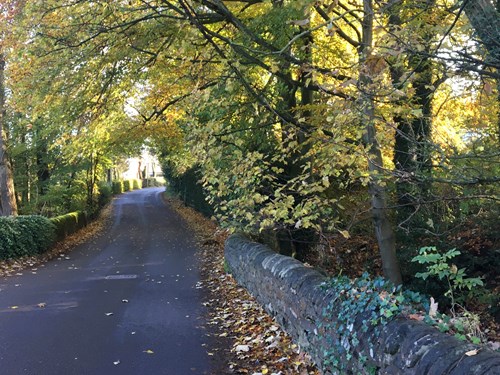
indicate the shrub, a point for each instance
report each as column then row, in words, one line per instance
column 69, row 223
column 8, row 235
column 25, row 235
column 151, row 182
column 105, row 193
column 117, row 187
column 136, row 184
column 126, row 185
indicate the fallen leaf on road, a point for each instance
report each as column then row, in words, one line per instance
column 470, row 353
column 116, row 362
column 42, row 304
column 149, row 351
column 242, row 348
column 109, row 314
column 14, row 307
column 125, row 300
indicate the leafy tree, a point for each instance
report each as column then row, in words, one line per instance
column 286, row 112
column 8, row 206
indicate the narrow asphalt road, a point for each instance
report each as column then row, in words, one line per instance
column 128, row 302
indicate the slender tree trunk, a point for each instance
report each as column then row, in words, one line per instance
column 412, row 138
column 21, row 166
column 43, row 171
column 498, row 109
column 498, row 79
column 8, row 204
column 383, row 227
column 292, row 241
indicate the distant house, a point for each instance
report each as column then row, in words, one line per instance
column 145, row 166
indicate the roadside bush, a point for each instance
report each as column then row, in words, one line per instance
column 151, row 182
column 117, row 187
column 105, row 193
column 126, row 185
column 25, row 235
column 136, row 184
column 8, row 234
column 69, row 223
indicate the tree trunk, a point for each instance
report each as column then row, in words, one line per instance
column 383, row 227
column 485, row 19
column 412, row 138
column 8, row 204
column 42, row 171
column 484, row 16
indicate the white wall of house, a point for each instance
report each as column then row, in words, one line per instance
column 146, row 163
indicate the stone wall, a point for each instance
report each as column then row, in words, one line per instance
column 293, row 294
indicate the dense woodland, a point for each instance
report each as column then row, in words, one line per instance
column 307, row 124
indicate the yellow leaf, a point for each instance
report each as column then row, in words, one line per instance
column 149, row 351
column 345, row 234
column 488, row 89
column 274, row 68
column 14, row 307
column 454, row 269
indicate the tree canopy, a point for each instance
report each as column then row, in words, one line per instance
column 301, row 120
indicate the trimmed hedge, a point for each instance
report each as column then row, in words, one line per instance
column 151, row 182
column 117, row 187
column 69, row 223
column 105, row 193
column 126, row 185
column 136, row 184
column 122, row 186
column 25, row 235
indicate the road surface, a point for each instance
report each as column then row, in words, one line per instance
column 127, row 302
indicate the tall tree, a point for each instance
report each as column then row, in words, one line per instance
column 8, row 205
column 285, row 108
column 384, row 230
column 413, row 30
